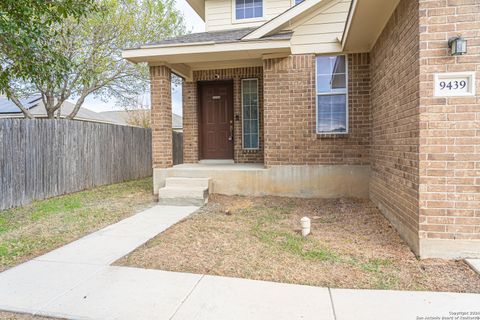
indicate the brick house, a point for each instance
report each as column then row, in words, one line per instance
column 332, row 98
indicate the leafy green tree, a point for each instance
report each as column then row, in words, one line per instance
column 26, row 35
column 93, row 46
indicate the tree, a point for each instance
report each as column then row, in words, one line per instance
column 138, row 113
column 25, row 33
column 93, row 45
column 139, row 116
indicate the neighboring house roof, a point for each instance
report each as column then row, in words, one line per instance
column 117, row 116
column 177, row 121
column 7, row 106
column 122, row 116
column 35, row 105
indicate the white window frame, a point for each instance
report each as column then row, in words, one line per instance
column 256, row 19
column 258, row 115
column 331, row 94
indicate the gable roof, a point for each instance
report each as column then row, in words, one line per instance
column 276, row 24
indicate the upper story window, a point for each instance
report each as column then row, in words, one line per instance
column 332, row 107
column 248, row 9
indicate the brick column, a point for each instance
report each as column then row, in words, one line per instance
column 190, row 122
column 161, row 101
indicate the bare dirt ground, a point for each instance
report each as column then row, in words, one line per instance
column 351, row 246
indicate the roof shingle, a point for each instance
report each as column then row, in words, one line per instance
column 217, row 37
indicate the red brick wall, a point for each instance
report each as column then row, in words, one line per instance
column 395, row 121
column 161, row 104
column 450, row 127
column 190, row 112
column 290, row 114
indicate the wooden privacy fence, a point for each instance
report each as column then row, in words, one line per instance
column 177, row 147
column 46, row 158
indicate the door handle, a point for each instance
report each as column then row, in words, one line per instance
column 230, row 138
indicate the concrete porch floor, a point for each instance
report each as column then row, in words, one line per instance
column 219, row 166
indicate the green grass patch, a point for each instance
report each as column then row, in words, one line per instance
column 386, row 282
column 44, row 225
column 296, row 244
column 3, row 224
column 290, row 242
column 375, row 265
column 56, row 205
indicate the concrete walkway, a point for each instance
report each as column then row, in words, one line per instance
column 474, row 264
column 77, row 282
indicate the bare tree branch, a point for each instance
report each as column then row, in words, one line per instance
column 19, row 104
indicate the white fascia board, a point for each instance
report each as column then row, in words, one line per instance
column 281, row 19
column 351, row 12
column 142, row 54
column 179, row 44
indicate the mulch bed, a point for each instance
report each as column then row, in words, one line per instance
column 352, row 245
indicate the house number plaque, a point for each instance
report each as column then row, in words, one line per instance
column 457, row 84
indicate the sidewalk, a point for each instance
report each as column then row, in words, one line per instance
column 77, row 282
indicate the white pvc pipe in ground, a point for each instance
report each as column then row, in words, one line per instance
column 305, row 223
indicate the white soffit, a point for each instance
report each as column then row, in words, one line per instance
column 366, row 20
column 198, row 6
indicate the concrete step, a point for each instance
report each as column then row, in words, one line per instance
column 187, row 182
column 183, row 196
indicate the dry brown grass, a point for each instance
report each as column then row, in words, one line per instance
column 20, row 316
column 351, row 246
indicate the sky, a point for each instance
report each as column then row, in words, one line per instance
column 194, row 24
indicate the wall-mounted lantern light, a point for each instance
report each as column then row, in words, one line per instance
column 457, row 45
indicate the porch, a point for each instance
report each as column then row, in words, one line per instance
column 254, row 179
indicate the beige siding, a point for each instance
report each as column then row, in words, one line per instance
column 218, row 14
column 319, row 31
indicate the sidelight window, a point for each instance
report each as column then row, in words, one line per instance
column 250, row 114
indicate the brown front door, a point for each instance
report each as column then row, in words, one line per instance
column 216, row 120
